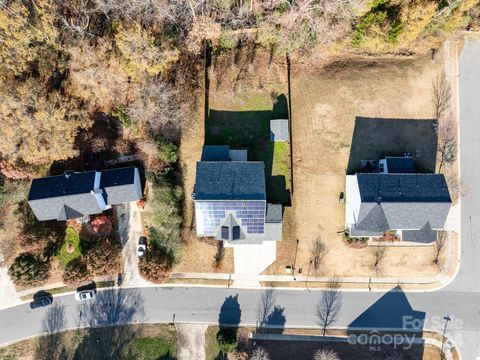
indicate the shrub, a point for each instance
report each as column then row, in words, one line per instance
column 77, row 273
column 167, row 151
column 102, row 224
column 29, row 270
column 155, row 266
column 163, row 217
column 227, row 41
column 104, row 258
column 227, row 339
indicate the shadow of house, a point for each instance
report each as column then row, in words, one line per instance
column 390, row 318
column 251, row 130
column 375, row 138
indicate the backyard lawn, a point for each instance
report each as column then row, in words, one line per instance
column 246, row 124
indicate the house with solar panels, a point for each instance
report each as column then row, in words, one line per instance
column 77, row 195
column 389, row 196
column 230, row 199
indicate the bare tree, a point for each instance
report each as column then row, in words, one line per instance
column 329, row 305
column 264, row 308
column 259, row 354
column 441, row 95
column 439, row 247
column 318, row 252
column 51, row 345
column 378, row 253
column 326, row 354
column 447, row 144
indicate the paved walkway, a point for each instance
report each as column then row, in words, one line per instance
column 191, row 341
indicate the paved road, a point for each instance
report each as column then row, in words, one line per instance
column 460, row 300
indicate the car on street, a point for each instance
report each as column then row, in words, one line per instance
column 85, row 295
column 41, row 302
column 142, row 246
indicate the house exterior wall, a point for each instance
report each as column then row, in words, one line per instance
column 352, row 201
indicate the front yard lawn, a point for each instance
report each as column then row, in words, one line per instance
column 71, row 248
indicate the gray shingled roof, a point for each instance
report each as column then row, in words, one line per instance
column 118, row 185
column 400, row 165
column 71, row 195
column 425, row 235
column 401, row 202
column 274, row 213
column 225, row 180
column 403, row 188
column 215, row 153
column 279, row 130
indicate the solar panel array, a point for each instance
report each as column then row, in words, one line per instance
column 210, row 215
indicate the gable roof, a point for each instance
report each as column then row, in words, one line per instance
column 407, row 201
column 73, row 195
column 403, row 188
column 215, row 153
column 225, row 180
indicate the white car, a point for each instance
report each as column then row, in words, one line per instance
column 142, row 246
column 85, row 295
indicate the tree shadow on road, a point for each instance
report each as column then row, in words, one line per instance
column 106, row 338
column 50, row 346
column 228, row 321
column 270, row 315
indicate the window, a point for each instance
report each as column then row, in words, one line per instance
column 225, row 233
column 236, row 232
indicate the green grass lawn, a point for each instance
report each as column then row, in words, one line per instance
column 71, row 237
column 147, row 348
column 249, row 128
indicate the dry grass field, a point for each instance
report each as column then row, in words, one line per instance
column 352, row 109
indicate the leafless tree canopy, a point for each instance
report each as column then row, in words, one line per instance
column 318, row 252
column 447, row 145
column 329, row 305
column 441, row 95
column 439, row 246
column 50, row 346
column 326, row 354
column 161, row 108
column 265, row 307
column 378, row 253
column 259, row 353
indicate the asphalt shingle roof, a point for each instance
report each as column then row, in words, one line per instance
column 400, row 165
column 71, row 195
column 225, row 180
column 407, row 201
column 215, row 153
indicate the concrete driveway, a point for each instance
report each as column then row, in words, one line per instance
column 130, row 228
column 250, row 261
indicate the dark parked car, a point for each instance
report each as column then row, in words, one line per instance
column 41, row 302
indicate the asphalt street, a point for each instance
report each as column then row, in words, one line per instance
column 460, row 300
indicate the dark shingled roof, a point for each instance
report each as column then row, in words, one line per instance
column 403, row 188
column 400, row 165
column 70, row 183
column 407, row 201
column 117, row 177
column 215, row 153
column 225, row 180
